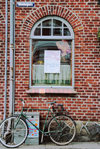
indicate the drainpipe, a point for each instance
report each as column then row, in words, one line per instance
column 6, row 47
column 12, row 58
column 14, row 64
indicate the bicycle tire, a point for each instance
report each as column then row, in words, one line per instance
column 13, row 137
column 62, row 130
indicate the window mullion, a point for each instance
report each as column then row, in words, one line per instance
column 51, row 27
column 62, row 29
column 41, row 28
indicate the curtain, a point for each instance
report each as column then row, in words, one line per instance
column 62, row 78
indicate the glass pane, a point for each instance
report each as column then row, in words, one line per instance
column 39, row 77
column 39, row 25
column 67, row 32
column 65, row 25
column 46, row 23
column 40, row 47
column 57, row 23
column 46, row 31
column 37, row 32
column 57, row 31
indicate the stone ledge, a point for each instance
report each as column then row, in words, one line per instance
column 51, row 90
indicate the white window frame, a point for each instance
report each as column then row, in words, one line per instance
column 71, row 37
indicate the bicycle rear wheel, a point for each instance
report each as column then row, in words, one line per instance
column 13, row 132
column 62, row 130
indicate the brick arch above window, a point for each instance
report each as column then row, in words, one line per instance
column 44, row 11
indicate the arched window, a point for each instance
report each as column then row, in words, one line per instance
column 52, row 53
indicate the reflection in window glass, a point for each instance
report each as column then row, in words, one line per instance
column 39, row 25
column 66, row 32
column 37, row 32
column 57, row 31
column 46, row 23
column 65, row 25
column 57, row 23
column 39, row 77
column 46, row 31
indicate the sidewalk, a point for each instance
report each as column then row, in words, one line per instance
column 73, row 145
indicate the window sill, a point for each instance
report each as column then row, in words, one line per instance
column 51, row 90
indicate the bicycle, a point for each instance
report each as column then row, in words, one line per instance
column 61, row 127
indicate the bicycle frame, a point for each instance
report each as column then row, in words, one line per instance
column 23, row 116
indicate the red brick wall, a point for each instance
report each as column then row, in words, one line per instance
column 84, row 17
column 2, row 58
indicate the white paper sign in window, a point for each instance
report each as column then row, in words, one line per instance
column 51, row 61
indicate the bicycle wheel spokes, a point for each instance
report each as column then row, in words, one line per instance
column 62, row 130
column 13, row 132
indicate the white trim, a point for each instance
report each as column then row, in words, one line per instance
column 52, row 27
column 30, row 64
column 69, row 87
column 73, row 57
column 53, row 37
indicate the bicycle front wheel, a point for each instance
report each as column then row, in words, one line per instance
column 13, row 132
column 62, row 130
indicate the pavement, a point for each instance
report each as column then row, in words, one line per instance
column 73, row 145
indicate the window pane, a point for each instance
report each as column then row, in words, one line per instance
column 39, row 77
column 57, row 31
column 57, row 23
column 67, row 32
column 46, row 31
column 37, row 32
column 46, row 23
column 65, row 25
column 39, row 25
